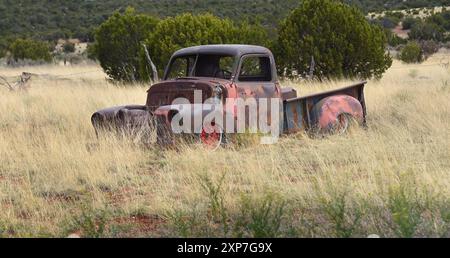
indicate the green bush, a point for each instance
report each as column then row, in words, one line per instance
column 405, row 211
column 409, row 22
column 388, row 22
column 426, row 31
column 255, row 216
column 339, row 38
column 91, row 222
column 118, row 42
column 429, row 47
column 188, row 30
column 411, row 53
column 5, row 42
column 260, row 217
column 344, row 219
column 3, row 50
column 91, row 52
column 393, row 39
column 391, row 19
column 441, row 19
column 69, row 47
column 398, row 15
column 22, row 49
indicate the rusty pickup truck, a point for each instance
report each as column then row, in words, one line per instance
column 231, row 72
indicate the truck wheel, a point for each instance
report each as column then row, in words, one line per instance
column 342, row 123
column 336, row 114
column 211, row 136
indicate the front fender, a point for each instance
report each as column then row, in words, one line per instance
column 120, row 117
column 192, row 116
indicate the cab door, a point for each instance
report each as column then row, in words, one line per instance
column 256, row 79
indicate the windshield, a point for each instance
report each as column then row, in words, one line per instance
column 205, row 65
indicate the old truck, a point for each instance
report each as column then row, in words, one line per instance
column 231, row 72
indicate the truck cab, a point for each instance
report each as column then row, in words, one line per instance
column 240, row 70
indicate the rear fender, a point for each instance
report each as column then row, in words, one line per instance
column 325, row 113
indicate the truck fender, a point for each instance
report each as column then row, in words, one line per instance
column 120, row 116
column 194, row 111
column 335, row 111
column 165, row 114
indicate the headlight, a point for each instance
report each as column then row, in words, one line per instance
column 218, row 92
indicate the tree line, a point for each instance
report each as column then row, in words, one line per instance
column 337, row 36
column 53, row 19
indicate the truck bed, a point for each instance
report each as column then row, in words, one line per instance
column 297, row 111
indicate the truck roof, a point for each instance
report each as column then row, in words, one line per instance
column 225, row 49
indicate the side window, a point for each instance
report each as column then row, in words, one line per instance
column 255, row 68
column 181, row 67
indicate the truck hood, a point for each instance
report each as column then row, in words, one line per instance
column 164, row 93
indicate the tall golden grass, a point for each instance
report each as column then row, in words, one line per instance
column 390, row 179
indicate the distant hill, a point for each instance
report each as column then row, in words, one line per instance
column 53, row 19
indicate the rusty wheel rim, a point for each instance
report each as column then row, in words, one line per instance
column 211, row 137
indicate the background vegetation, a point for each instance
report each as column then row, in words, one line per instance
column 427, row 29
column 53, row 19
column 345, row 46
column 119, row 35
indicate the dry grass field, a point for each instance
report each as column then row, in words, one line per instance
column 390, row 179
